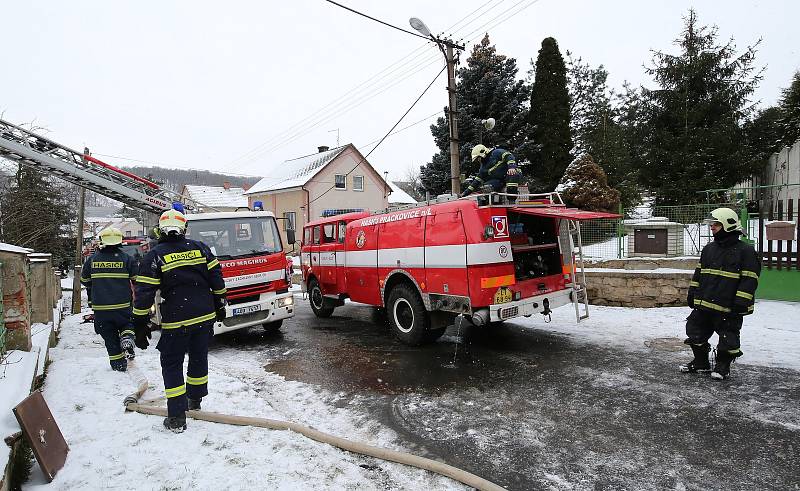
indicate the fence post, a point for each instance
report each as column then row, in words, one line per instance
column 620, row 235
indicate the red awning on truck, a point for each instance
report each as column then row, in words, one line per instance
column 568, row 213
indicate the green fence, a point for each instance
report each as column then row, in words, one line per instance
column 608, row 238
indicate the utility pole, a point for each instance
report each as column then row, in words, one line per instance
column 447, row 48
column 76, row 281
column 452, row 113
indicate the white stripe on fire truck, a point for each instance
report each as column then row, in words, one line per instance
column 250, row 279
column 446, row 256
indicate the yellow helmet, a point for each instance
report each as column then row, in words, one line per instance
column 110, row 236
column 480, row 151
column 172, row 221
column 727, row 217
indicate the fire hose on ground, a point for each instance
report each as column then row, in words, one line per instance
column 132, row 404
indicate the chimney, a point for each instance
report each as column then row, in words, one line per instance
column 226, row 185
column 323, row 148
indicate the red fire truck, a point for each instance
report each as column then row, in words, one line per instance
column 249, row 249
column 430, row 262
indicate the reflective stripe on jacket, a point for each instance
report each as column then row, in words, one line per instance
column 107, row 275
column 188, row 275
column 726, row 278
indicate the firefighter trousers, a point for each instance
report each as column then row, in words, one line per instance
column 174, row 345
column 701, row 324
column 111, row 325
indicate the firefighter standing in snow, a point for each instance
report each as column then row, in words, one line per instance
column 722, row 290
column 107, row 275
column 498, row 169
column 190, row 280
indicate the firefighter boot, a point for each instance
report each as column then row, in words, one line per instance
column 126, row 342
column 194, row 404
column 722, row 368
column 700, row 362
column 175, row 424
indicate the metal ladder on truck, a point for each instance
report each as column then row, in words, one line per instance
column 580, row 297
column 27, row 148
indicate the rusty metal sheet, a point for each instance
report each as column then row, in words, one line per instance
column 40, row 429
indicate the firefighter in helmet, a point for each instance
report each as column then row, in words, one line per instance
column 107, row 275
column 721, row 292
column 498, row 168
column 189, row 278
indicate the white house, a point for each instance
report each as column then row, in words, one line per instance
column 325, row 183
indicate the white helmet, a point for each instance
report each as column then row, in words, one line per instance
column 480, row 151
column 727, row 217
column 172, row 222
column 110, row 236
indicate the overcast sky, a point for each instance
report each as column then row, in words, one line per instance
column 239, row 87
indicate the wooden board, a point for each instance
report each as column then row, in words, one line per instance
column 40, row 429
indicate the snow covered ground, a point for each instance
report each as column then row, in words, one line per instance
column 112, row 449
column 769, row 337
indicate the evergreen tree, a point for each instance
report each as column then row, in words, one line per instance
column 487, row 88
column 36, row 213
column 594, row 126
column 764, row 134
column 585, row 186
column 694, row 117
column 790, row 109
column 549, row 153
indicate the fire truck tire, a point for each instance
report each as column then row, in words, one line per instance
column 272, row 327
column 318, row 303
column 407, row 315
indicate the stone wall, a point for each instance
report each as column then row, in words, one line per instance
column 640, row 282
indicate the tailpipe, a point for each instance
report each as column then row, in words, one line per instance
column 481, row 317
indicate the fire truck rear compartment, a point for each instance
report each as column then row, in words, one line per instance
column 534, row 245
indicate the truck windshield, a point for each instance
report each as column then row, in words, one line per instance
column 236, row 237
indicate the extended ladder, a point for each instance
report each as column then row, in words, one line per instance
column 27, row 148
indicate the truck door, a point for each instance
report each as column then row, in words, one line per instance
column 327, row 258
column 446, row 254
column 341, row 257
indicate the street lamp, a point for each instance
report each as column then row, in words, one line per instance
column 447, row 46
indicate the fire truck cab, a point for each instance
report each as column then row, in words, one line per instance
column 430, row 262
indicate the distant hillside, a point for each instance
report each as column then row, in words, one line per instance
column 175, row 178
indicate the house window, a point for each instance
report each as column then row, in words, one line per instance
column 290, row 221
column 340, row 181
column 358, row 183
column 127, row 233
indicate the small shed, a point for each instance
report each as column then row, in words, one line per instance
column 42, row 285
column 657, row 237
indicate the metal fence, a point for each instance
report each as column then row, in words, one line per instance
column 608, row 238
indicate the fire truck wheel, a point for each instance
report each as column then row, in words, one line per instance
column 318, row 303
column 407, row 315
column 272, row 327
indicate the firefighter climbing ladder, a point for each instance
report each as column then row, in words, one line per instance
column 27, row 148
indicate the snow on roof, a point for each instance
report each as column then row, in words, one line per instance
column 399, row 196
column 12, row 248
column 217, row 196
column 295, row 172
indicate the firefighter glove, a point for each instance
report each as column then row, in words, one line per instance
column 739, row 308
column 142, row 331
column 219, row 308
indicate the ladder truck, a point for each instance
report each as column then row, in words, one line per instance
column 247, row 243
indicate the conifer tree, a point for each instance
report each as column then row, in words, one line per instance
column 487, row 88
column 549, row 152
column 695, row 116
column 790, row 112
column 585, row 186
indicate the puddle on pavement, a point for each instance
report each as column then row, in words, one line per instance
column 360, row 357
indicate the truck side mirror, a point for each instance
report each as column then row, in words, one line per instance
column 290, row 237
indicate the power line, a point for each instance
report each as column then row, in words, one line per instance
column 384, row 136
column 405, row 128
column 378, row 20
column 375, row 80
